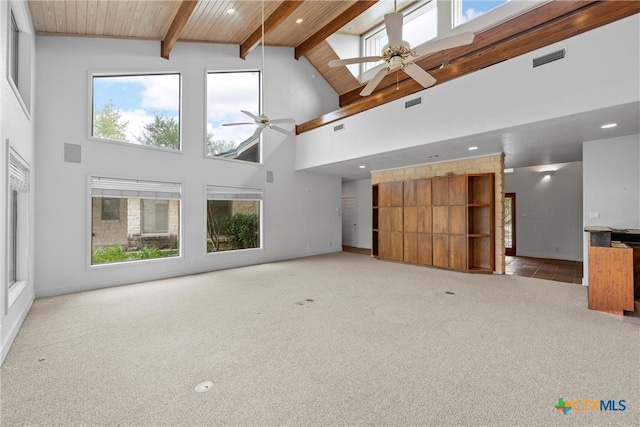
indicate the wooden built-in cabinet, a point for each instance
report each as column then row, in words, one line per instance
column 417, row 222
column 445, row 222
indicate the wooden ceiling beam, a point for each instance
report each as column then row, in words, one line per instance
column 175, row 29
column 283, row 11
column 589, row 17
column 347, row 16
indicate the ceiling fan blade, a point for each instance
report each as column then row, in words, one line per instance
column 249, row 114
column 444, row 43
column 419, row 75
column 393, row 22
column 339, row 62
column 283, row 121
column 237, row 124
column 281, row 130
column 373, row 82
column 257, row 132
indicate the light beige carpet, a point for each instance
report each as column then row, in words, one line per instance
column 339, row 339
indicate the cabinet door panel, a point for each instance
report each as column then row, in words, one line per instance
column 384, row 244
column 397, row 246
column 411, row 248
column 457, row 252
column 390, row 193
column 440, row 219
column 410, row 193
column 441, row 250
column 457, row 220
column 411, row 219
column 423, row 192
column 425, row 252
column 424, row 219
column 396, row 219
column 384, row 219
column 458, row 190
column 440, row 191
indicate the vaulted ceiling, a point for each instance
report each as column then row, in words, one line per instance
column 209, row 21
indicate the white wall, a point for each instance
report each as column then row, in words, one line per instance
column 611, row 176
column 299, row 208
column 16, row 129
column 361, row 189
column 548, row 211
column 505, row 95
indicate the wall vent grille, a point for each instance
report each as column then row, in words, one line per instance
column 553, row 56
column 413, row 102
column 339, row 127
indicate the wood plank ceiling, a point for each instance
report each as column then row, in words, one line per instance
column 209, row 21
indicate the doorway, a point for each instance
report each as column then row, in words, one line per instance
column 510, row 224
column 349, row 220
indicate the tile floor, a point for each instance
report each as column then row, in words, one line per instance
column 541, row 268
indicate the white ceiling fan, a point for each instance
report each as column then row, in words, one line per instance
column 399, row 55
column 262, row 120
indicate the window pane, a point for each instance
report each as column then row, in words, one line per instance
column 125, row 240
column 14, row 40
column 139, row 109
column 12, row 238
column 471, row 9
column 232, row 225
column 227, row 94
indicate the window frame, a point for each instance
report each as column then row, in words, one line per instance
column 245, row 118
column 19, row 72
column 179, row 186
column 255, row 194
column 17, row 245
column 92, row 74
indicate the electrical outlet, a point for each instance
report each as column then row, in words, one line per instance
column 594, row 215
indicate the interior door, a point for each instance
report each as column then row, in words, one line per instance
column 349, row 220
column 510, row 224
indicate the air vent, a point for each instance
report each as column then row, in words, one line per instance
column 553, row 56
column 413, row 102
column 339, row 127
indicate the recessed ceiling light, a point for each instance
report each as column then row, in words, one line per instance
column 230, row 11
column 609, row 126
column 432, row 156
column 473, row 148
column 362, row 167
column 299, row 20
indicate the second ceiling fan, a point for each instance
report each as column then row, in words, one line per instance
column 399, row 55
column 262, row 121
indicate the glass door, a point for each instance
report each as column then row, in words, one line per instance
column 510, row 224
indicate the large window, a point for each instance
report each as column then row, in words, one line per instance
column 138, row 109
column 228, row 93
column 17, row 220
column 233, row 218
column 19, row 53
column 420, row 24
column 134, row 220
